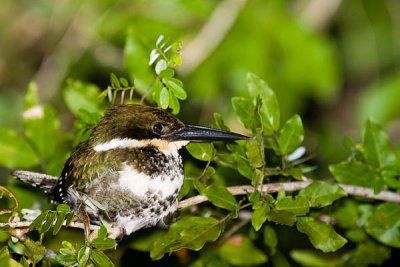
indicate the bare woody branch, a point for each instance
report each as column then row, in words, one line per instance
column 242, row 190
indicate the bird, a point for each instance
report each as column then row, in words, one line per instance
column 129, row 172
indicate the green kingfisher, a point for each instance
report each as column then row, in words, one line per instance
column 129, row 172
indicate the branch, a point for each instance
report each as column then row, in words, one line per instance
column 296, row 186
column 242, row 190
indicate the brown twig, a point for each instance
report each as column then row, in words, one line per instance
column 13, row 197
column 296, row 186
column 242, row 190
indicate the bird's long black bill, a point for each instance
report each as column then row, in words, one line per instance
column 204, row 134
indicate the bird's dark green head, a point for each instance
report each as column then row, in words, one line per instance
column 138, row 122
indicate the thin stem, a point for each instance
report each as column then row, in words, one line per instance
column 16, row 203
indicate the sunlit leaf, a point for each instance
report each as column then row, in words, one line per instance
column 291, row 135
column 321, row 235
column 260, row 216
column 355, row 173
column 239, row 250
column 201, row 151
column 298, row 205
column 322, row 194
column 221, row 197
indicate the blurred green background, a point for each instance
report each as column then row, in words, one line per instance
column 334, row 62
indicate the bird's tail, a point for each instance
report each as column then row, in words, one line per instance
column 35, row 178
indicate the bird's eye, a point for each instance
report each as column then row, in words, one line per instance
column 158, row 128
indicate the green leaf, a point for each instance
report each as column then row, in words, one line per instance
column 312, row 258
column 173, row 103
column 384, row 223
column 220, row 122
column 34, row 250
column 355, row 173
column 322, row 194
column 199, row 186
column 321, row 235
column 156, row 91
column 66, row 260
column 299, row 205
column 43, row 131
column 50, row 218
column 348, row 143
column 63, row 207
column 78, row 95
column 101, row 259
column 239, row 250
column 38, row 221
column 259, row 216
column 102, row 241
column 184, row 189
column 83, row 256
column 377, row 147
column 270, row 113
column 59, row 222
column 281, row 217
column 270, row 238
column 164, row 98
column 346, row 215
column 369, row 253
column 7, row 260
column 161, row 65
column 167, row 73
column 174, row 60
column 114, row 81
column 243, row 166
column 124, row 82
column 201, row 151
column 296, row 173
column 191, row 233
column 15, row 151
column 176, row 86
column 291, row 135
column 255, row 150
column 221, row 197
column 246, row 112
column 31, row 98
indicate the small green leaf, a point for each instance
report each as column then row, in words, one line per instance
column 38, row 221
column 59, row 222
column 270, row 238
column 281, row 217
column 69, row 219
column 191, row 232
column 384, row 224
column 255, row 150
column 313, row 258
column 299, row 205
column 66, row 260
column 15, row 151
column 243, row 167
column 259, row 216
column 355, row 173
column 220, row 122
column 246, row 112
column 369, row 253
column 114, row 81
column 270, row 113
column 156, row 91
column 377, row 147
column 201, row 151
column 173, row 103
column 167, row 73
column 63, row 207
column 50, row 218
column 239, row 250
column 221, row 197
column 31, row 98
column 161, row 65
column 321, row 235
column 348, row 143
column 291, row 135
column 176, row 86
column 175, row 59
column 164, row 98
column 102, row 241
column 101, row 259
column 346, row 215
column 124, row 82
column 34, row 250
column 177, row 46
column 322, row 194
column 83, row 256
column 199, row 186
